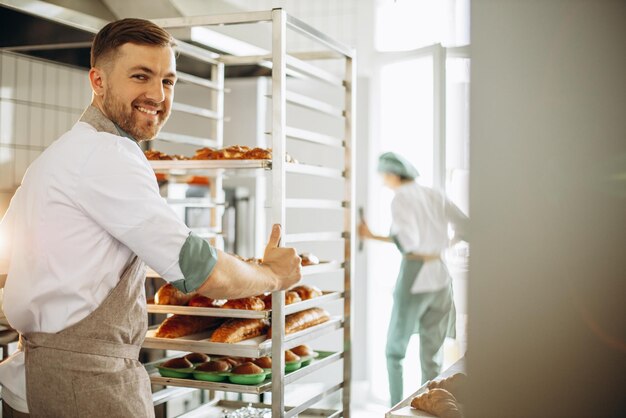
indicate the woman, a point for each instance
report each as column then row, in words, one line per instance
column 423, row 302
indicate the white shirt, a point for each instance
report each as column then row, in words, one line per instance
column 420, row 225
column 85, row 206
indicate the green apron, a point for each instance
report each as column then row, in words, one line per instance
column 431, row 314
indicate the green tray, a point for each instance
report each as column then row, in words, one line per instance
column 177, row 373
column 210, row 376
column 247, row 379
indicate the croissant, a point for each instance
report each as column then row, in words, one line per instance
column 455, row 384
column 180, row 325
column 252, row 303
column 169, row 295
column 438, row 402
column 235, row 330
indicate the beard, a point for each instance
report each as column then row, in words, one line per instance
column 129, row 119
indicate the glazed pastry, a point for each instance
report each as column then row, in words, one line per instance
column 247, row 368
column 214, row 366
column 290, row 297
column 309, row 259
column 264, row 362
column 291, row 357
column 177, row 363
column 180, row 325
column 252, row 303
column 438, row 402
column 235, row 330
column 197, row 357
column 455, row 384
column 200, row 301
column 307, row 292
column 303, row 320
column 303, row 351
column 169, row 295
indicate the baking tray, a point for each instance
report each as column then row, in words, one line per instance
column 217, row 408
column 327, row 296
column 325, row 358
column 254, row 347
column 209, row 164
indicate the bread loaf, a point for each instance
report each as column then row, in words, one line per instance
column 200, row 301
column 252, row 303
column 180, row 325
column 235, row 330
column 307, row 292
column 169, row 295
column 290, row 297
column 438, row 402
column 455, row 384
column 309, row 259
column 303, row 320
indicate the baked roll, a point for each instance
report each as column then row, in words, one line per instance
column 303, row 320
column 438, row 402
column 235, row 330
column 177, row 326
column 309, row 259
column 252, row 303
column 200, row 301
column 307, row 292
column 169, row 295
column 455, row 384
column 290, row 297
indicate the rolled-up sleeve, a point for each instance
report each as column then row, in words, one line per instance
column 118, row 190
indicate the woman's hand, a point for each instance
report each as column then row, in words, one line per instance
column 364, row 230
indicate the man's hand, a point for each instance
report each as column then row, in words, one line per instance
column 283, row 263
column 364, row 230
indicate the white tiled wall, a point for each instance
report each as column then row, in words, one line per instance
column 39, row 100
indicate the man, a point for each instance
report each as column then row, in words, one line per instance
column 422, row 299
column 86, row 217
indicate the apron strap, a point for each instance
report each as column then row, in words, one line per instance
column 78, row 344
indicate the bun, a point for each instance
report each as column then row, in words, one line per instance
column 455, row 384
column 180, row 325
column 233, row 361
column 214, row 366
column 290, row 297
column 247, row 368
column 177, row 363
column 200, row 301
column 302, row 350
column 197, row 357
column 438, row 402
column 303, row 320
column 291, row 357
column 264, row 362
column 309, row 259
column 235, row 330
column 169, row 295
column 252, row 303
column 307, row 292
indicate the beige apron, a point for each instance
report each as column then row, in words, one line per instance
column 91, row 369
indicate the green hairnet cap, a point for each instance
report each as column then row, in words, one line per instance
column 390, row 162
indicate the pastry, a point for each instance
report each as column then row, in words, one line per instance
column 264, row 362
column 180, row 325
column 302, row 351
column 177, row 363
column 291, row 357
column 200, row 301
column 303, row 320
column 309, row 259
column 169, row 295
column 235, row 330
column 247, row 368
column 252, row 303
column 233, row 361
column 214, row 366
column 438, row 402
column 455, row 384
column 290, row 297
column 307, row 292
column 197, row 357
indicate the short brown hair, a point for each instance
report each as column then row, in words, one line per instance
column 120, row 32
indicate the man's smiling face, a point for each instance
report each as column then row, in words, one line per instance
column 138, row 89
